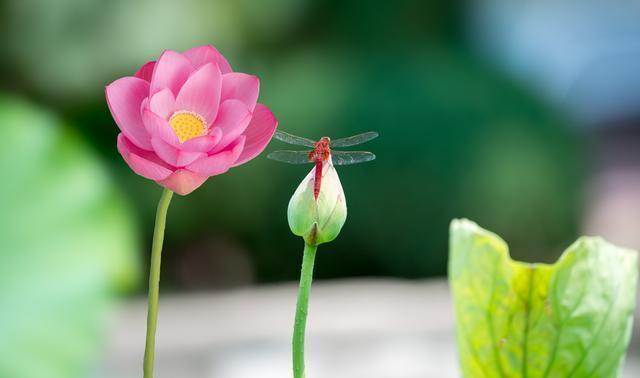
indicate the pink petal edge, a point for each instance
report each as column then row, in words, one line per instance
column 201, row 92
column 241, row 86
column 171, row 71
column 146, row 71
column 158, row 127
column 201, row 55
column 174, row 156
column 204, row 143
column 259, row 133
column 144, row 163
column 163, row 103
column 233, row 118
column 218, row 163
column 183, row 181
column 124, row 98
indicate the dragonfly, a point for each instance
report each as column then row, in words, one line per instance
column 322, row 151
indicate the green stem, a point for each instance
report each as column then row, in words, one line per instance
column 306, row 276
column 154, row 281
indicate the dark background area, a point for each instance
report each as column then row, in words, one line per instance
column 458, row 137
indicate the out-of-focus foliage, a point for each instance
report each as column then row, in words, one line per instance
column 68, row 48
column 569, row 319
column 67, row 243
column 457, row 138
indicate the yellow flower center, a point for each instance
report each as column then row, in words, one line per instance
column 188, row 125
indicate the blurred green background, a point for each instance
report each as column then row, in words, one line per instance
column 460, row 136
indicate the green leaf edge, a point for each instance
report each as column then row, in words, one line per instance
column 628, row 256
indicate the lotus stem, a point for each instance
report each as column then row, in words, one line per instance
column 154, row 281
column 306, row 277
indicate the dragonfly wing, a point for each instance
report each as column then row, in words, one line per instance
column 351, row 157
column 293, row 139
column 291, row 157
column 354, row 140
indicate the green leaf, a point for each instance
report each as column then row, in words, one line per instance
column 513, row 319
column 67, row 244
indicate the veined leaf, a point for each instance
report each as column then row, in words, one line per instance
column 513, row 319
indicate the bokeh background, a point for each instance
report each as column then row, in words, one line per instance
column 520, row 115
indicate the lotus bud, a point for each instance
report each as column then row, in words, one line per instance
column 318, row 220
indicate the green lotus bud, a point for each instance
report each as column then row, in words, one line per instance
column 318, row 218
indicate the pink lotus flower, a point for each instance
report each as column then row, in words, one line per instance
column 188, row 117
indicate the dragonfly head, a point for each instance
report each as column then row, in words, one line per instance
column 322, row 148
column 323, row 143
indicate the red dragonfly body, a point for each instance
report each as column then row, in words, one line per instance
column 321, row 153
